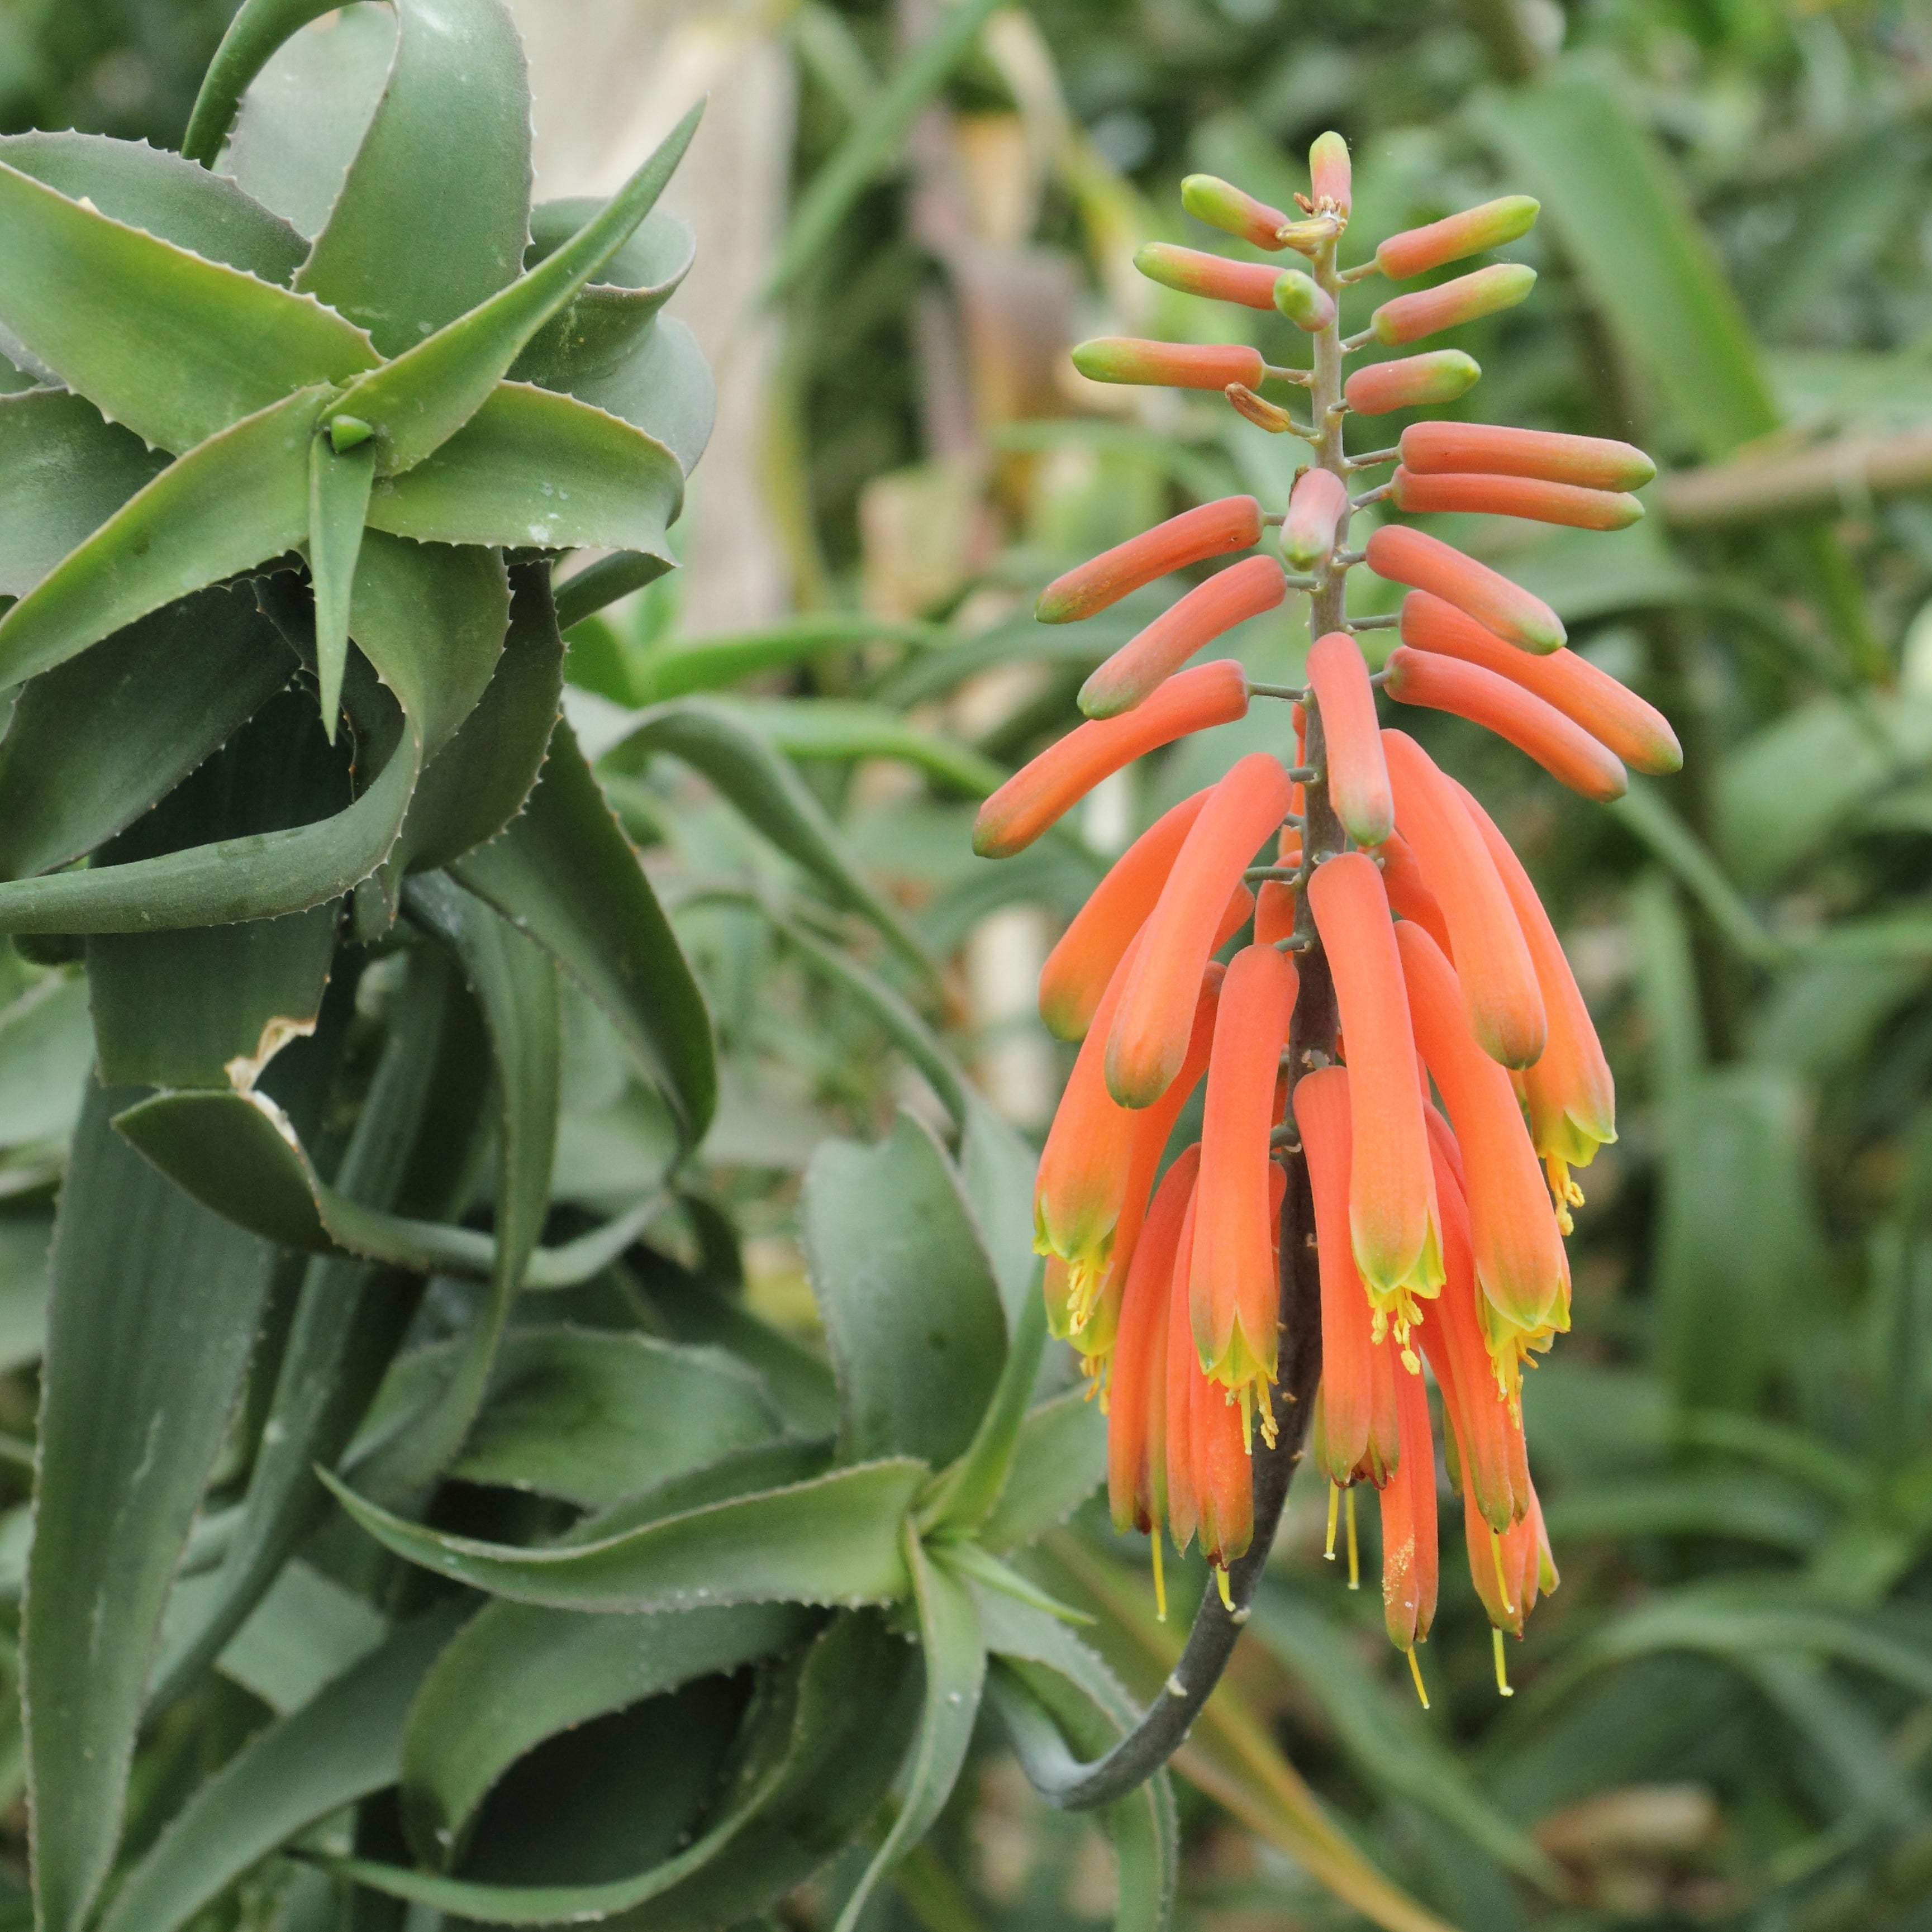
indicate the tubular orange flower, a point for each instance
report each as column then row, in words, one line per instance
column 1224, row 206
column 1570, row 1093
column 1235, row 1296
column 1414, row 382
column 1587, row 462
column 1359, row 1429
column 1358, row 780
column 1391, row 1195
column 1038, row 794
column 1526, row 496
column 1416, row 250
column 1315, row 509
column 1520, row 1266
column 1168, row 365
column 1565, row 750
column 1423, row 562
column 1405, row 319
column 1499, row 989
column 1329, row 174
column 1148, row 1039
column 1274, row 910
column 1224, row 1481
column 1303, row 301
column 1213, row 529
column 1139, row 667
column 1410, row 1555
column 1193, row 272
column 1510, row 1569
column 1185, row 1385
column 1613, row 715
column 1408, row 894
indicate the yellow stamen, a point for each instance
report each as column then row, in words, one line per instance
column 1270, row 1428
column 1415, row 1671
column 1502, row 1583
column 1563, row 1191
column 1221, row 1584
column 1354, row 1551
column 1246, row 1394
column 1502, row 1672
column 1334, row 1517
column 1159, row 1581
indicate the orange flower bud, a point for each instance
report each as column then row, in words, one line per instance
column 1315, row 508
column 1185, row 1386
column 1509, row 1570
column 1262, row 414
column 1235, row 1296
column 1224, row 1477
column 1415, row 382
column 1478, row 493
column 1408, row 894
column 1587, row 462
column 1146, row 1040
column 1391, row 1195
column 1169, row 365
column 1416, row 250
column 1040, row 793
column 1358, row 781
column 1137, row 1405
column 1329, row 170
column 1448, row 304
column 1214, row 528
column 1229, row 598
column 1500, row 993
column 1359, row 1427
column 1193, row 272
column 1521, row 1269
column 1410, row 1554
column 1565, row 750
column 1274, row 909
column 1302, row 300
column 1615, row 717
column 1570, row 1093
column 1423, row 562
column 1222, row 206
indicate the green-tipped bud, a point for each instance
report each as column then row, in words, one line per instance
column 1415, row 382
column 1328, row 167
column 1222, row 206
column 347, row 433
column 1303, row 301
column 1173, row 365
column 1416, row 251
column 1449, row 304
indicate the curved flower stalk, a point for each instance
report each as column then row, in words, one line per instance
column 1384, row 1181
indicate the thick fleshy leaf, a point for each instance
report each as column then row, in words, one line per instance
column 176, row 347
column 165, row 693
column 307, row 1631
column 46, row 1050
column 664, row 385
column 609, row 317
column 345, row 1744
column 564, row 872
column 998, row 1164
column 675, row 667
column 415, row 404
column 434, row 213
column 258, row 29
column 338, row 505
column 839, row 730
column 63, row 471
column 153, row 1314
column 149, row 188
column 585, row 592
column 534, row 470
column 834, row 1540
column 1059, row 1460
column 910, row 1308
column 958, row 1503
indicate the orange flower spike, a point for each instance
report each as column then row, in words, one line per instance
column 1358, row 780
column 1146, row 661
column 1315, row 508
column 1583, row 462
column 1186, row 1385
column 1413, row 382
column 1408, row 318
column 1235, row 1295
column 1329, row 175
column 1410, row 1556
column 1408, row 894
column 1222, row 206
column 1563, row 749
column 1040, row 794
column 1401, row 555
column 1169, row 365
column 1213, row 529
column 1615, row 717
column 1520, row 1267
column 1476, row 493
column 1391, row 1195
column 1136, row 1433
column 1416, row 250
column 1499, row 988
column 1570, row 1095
column 1148, row 1039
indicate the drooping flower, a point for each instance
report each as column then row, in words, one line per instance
column 1357, row 773
column 1585, row 462
column 1410, row 1554
column 1211, row 529
column 1475, row 494
column 1408, row 894
column 1423, row 562
column 1146, row 661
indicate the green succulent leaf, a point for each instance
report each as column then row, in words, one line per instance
column 663, row 384
column 587, row 591
column 152, row 1317
column 833, row 1540
column 257, row 29
column 841, row 729
column 998, row 1164
column 338, row 504
column 678, row 667
column 607, row 318
column 1060, row 1458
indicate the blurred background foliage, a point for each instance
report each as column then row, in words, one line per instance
column 1724, row 1716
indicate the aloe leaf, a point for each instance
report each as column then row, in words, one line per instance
column 606, row 319
column 433, row 213
column 841, row 729
column 998, row 1163
column 237, row 500
column 911, row 1311
column 149, row 188
column 418, row 402
column 663, row 385
column 63, row 471
column 564, row 872
column 1059, row 1459
column 531, row 469
column 166, row 692
column 257, row 29
column 152, row 1317
column 963, row 1495
column 176, row 347
column 345, row 1744
column 587, row 591
column 833, row 1540
column 338, row 501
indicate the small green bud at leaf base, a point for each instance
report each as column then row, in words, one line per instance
column 1307, row 305
column 347, row 433
column 1328, row 167
column 1222, row 206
